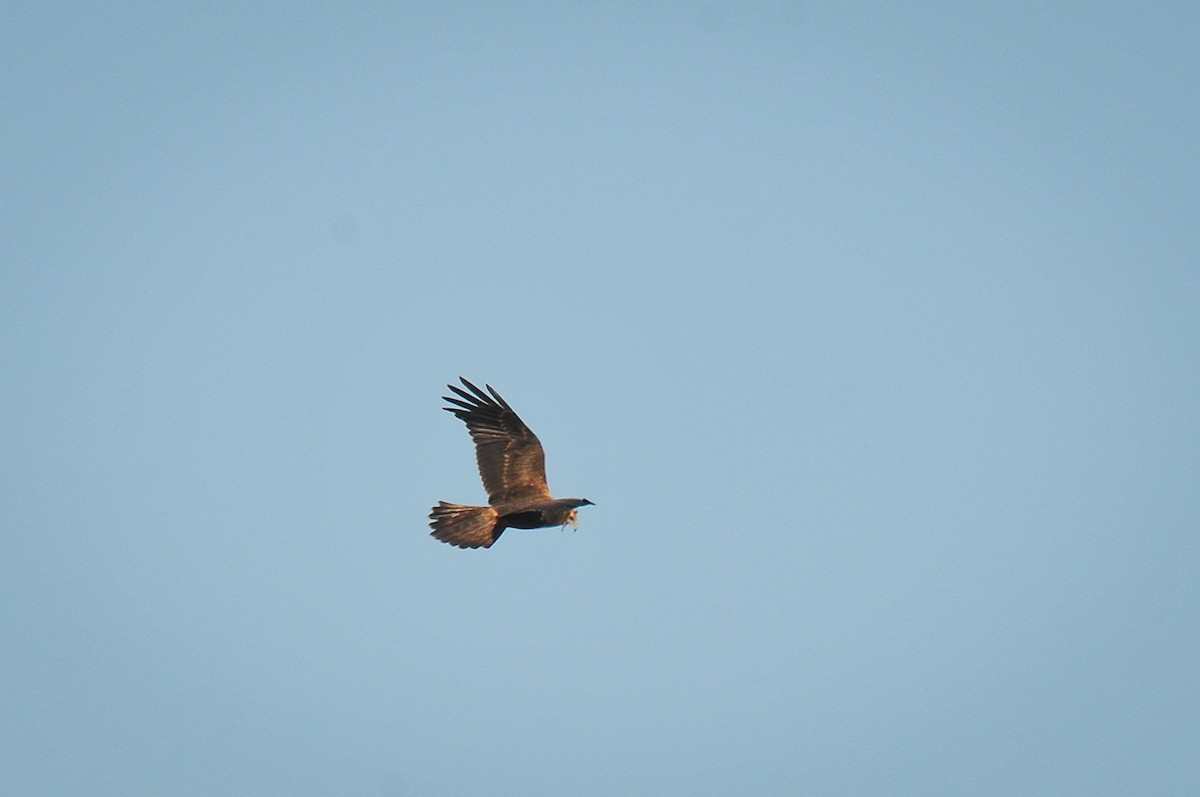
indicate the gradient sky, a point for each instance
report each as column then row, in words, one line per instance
column 872, row 331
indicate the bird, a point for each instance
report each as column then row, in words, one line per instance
column 512, row 465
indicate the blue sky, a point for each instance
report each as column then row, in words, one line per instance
column 872, row 332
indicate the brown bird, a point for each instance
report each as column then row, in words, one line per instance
column 513, row 467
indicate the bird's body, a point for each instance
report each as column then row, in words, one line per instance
column 512, row 465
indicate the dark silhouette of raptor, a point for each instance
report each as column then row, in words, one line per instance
column 513, row 467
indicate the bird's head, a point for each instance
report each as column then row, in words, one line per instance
column 573, row 515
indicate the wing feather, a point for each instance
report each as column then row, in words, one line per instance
column 511, row 461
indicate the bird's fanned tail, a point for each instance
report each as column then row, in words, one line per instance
column 464, row 526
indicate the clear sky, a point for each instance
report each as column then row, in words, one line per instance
column 872, row 331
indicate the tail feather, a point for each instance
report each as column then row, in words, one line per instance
column 464, row 526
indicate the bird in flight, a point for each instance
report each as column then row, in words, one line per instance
column 512, row 465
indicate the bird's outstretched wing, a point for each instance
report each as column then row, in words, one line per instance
column 511, row 461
